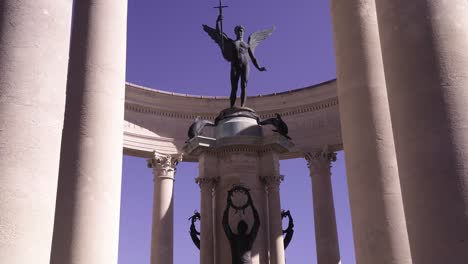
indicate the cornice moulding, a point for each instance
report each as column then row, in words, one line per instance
column 158, row 120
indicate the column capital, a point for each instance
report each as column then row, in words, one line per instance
column 320, row 161
column 272, row 181
column 205, row 182
column 163, row 164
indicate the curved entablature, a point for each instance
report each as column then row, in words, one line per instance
column 158, row 120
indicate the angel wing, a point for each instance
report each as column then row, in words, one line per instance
column 227, row 42
column 259, row 36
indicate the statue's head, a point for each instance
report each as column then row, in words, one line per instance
column 239, row 31
column 242, row 227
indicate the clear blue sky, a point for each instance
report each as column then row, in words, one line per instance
column 168, row 50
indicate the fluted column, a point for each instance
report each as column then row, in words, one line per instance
column 87, row 216
column 162, row 238
column 272, row 184
column 326, row 234
column 34, row 41
column 209, row 177
column 206, row 222
column 424, row 44
column 377, row 213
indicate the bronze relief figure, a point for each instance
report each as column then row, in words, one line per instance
column 241, row 242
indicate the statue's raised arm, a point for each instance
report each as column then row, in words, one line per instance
column 256, row 225
column 226, row 227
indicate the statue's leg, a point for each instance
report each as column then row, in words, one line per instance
column 244, row 77
column 234, row 81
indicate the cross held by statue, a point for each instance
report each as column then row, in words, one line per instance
column 220, row 8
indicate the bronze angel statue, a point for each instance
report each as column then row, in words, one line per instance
column 238, row 53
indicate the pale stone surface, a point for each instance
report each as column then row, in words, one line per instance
column 240, row 166
column 269, row 162
column 326, row 234
column 88, row 200
column 159, row 120
column 378, row 219
column 424, row 46
column 207, row 179
column 252, row 162
column 237, row 126
column 162, row 235
column 34, row 37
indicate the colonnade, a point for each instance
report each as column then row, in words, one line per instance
column 377, row 213
column 401, row 72
column 401, row 68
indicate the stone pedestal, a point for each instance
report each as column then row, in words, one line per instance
column 240, row 155
column 237, row 122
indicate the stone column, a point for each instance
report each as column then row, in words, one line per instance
column 209, row 176
column 87, row 216
column 425, row 55
column 162, row 238
column 206, row 222
column 326, row 234
column 272, row 184
column 377, row 213
column 34, row 41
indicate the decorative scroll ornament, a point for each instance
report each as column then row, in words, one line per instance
column 194, row 233
column 289, row 231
